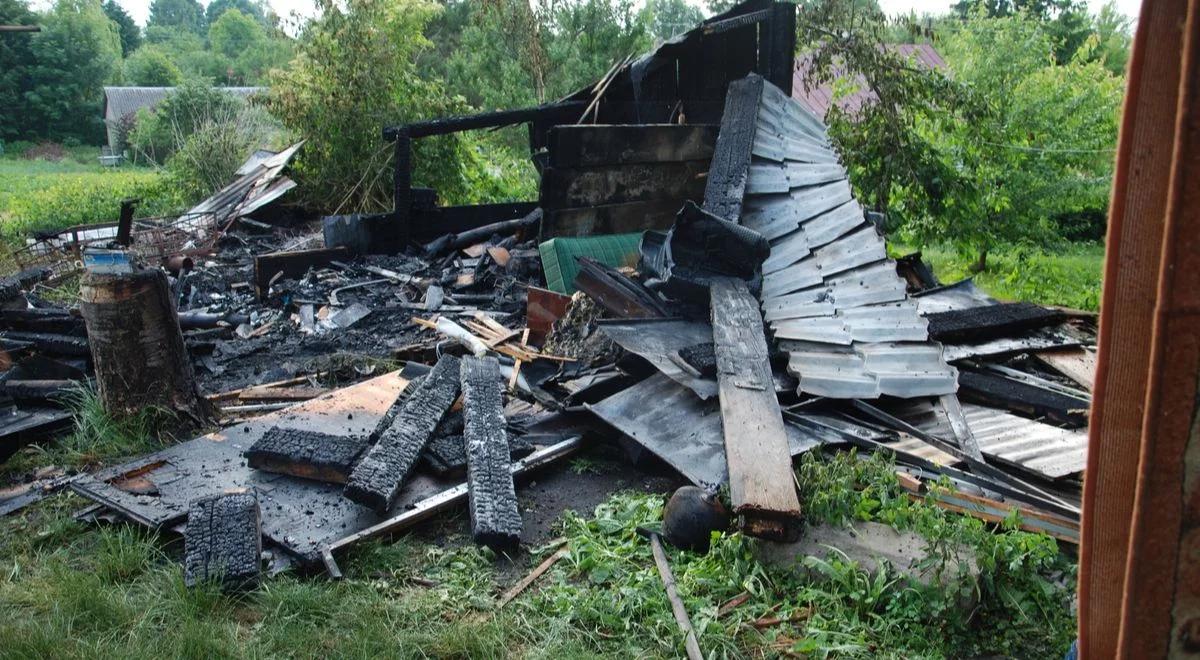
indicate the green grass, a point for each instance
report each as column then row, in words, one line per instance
column 69, row 590
column 1068, row 277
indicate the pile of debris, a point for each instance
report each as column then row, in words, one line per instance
column 758, row 319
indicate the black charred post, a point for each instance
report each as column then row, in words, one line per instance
column 376, row 480
column 446, row 456
column 495, row 520
column 403, row 195
column 306, row 454
column 53, row 344
column 136, row 345
column 125, row 222
column 223, row 541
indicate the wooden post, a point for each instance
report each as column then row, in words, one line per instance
column 137, row 346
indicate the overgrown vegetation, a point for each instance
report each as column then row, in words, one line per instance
column 117, row 591
column 1069, row 276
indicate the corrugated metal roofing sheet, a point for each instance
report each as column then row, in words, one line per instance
column 830, row 295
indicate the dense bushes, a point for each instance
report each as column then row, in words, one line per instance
column 88, row 198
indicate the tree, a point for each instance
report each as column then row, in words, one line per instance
column 354, row 73
column 1114, row 36
column 253, row 66
column 1067, row 22
column 234, row 33
column 254, row 10
column 16, row 56
column 75, row 54
column 185, row 14
column 666, row 18
column 150, row 67
column 894, row 167
column 131, row 35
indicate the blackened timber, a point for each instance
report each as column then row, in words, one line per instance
column 1000, row 392
column 402, row 195
column 223, row 541
column 292, row 264
column 592, row 146
column 306, row 454
column 616, row 293
column 495, row 520
column 435, row 222
column 376, row 480
column 447, row 456
column 610, row 219
column 565, row 111
column 724, row 25
column 730, row 166
column 125, row 222
column 756, row 445
column 990, row 321
column 54, row 344
column 778, row 46
column 617, row 184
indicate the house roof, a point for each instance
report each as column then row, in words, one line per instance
column 121, row 101
column 820, row 99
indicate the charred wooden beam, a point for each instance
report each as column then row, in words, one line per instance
column 1000, row 392
column 595, row 146
column 756, row 445
column 495, row 520
column 447, row 456
column 223, row 541
column 731, row 162
column 54, row 344
column 306, row 454
column 38, row 390
column 976, row 324
column 564, row 111
column 616, row 293
column 125, row 222
column 376, row 480
column 610, row 218
column 292, row 264
column 622, row 183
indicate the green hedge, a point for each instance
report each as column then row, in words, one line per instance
column 89, row 198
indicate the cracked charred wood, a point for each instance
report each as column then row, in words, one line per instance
column 376, row 480
column 446, row 456
column 38, row 390
column 223, row 541
column 206, row 320
column 977, row 324
column 306, row 454
column 495, row 520
column 473, row 236
column 136, row 345
column 617, row 294
column 53, row 344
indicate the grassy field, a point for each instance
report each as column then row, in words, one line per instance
column 1066, row 277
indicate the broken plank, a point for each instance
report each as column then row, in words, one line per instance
column 495, row 520
column 434, row 504
column 376, row 481
column 223, row 541
column 292, row 264
column 590, row 146
column 281, row 393
column 1078, row 364
column 756, row 444
column 306, row 454
column 977, row 324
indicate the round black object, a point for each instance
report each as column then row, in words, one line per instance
column 691, row 516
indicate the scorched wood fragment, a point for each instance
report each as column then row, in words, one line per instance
column 756, row 445
column 495, row 521
column 137, row 346
column 376, row 480
column 223, row 541
column 306, row 454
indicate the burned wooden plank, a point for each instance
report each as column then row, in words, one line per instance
column 495, row 520
column 565, row 111
column 573, row 187
column 727, row 173
column 990, row 321
column 610, row 218
column 376, row 481
column 446, row 456
column 999, row 392
column 616, row 293
column 756, row 443
column 307, row 454
column 51, row 343
column 592, row 146
column 223, row 541
column 292, row 264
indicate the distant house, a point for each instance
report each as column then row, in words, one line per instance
column 820, row 99
column 122, row 102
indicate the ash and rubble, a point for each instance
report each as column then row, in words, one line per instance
column 775, row 293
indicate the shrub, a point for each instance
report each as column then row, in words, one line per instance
column 208, row 157
column 90, row 198
column 158, row 134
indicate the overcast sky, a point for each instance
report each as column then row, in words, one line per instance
column 140, row 9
